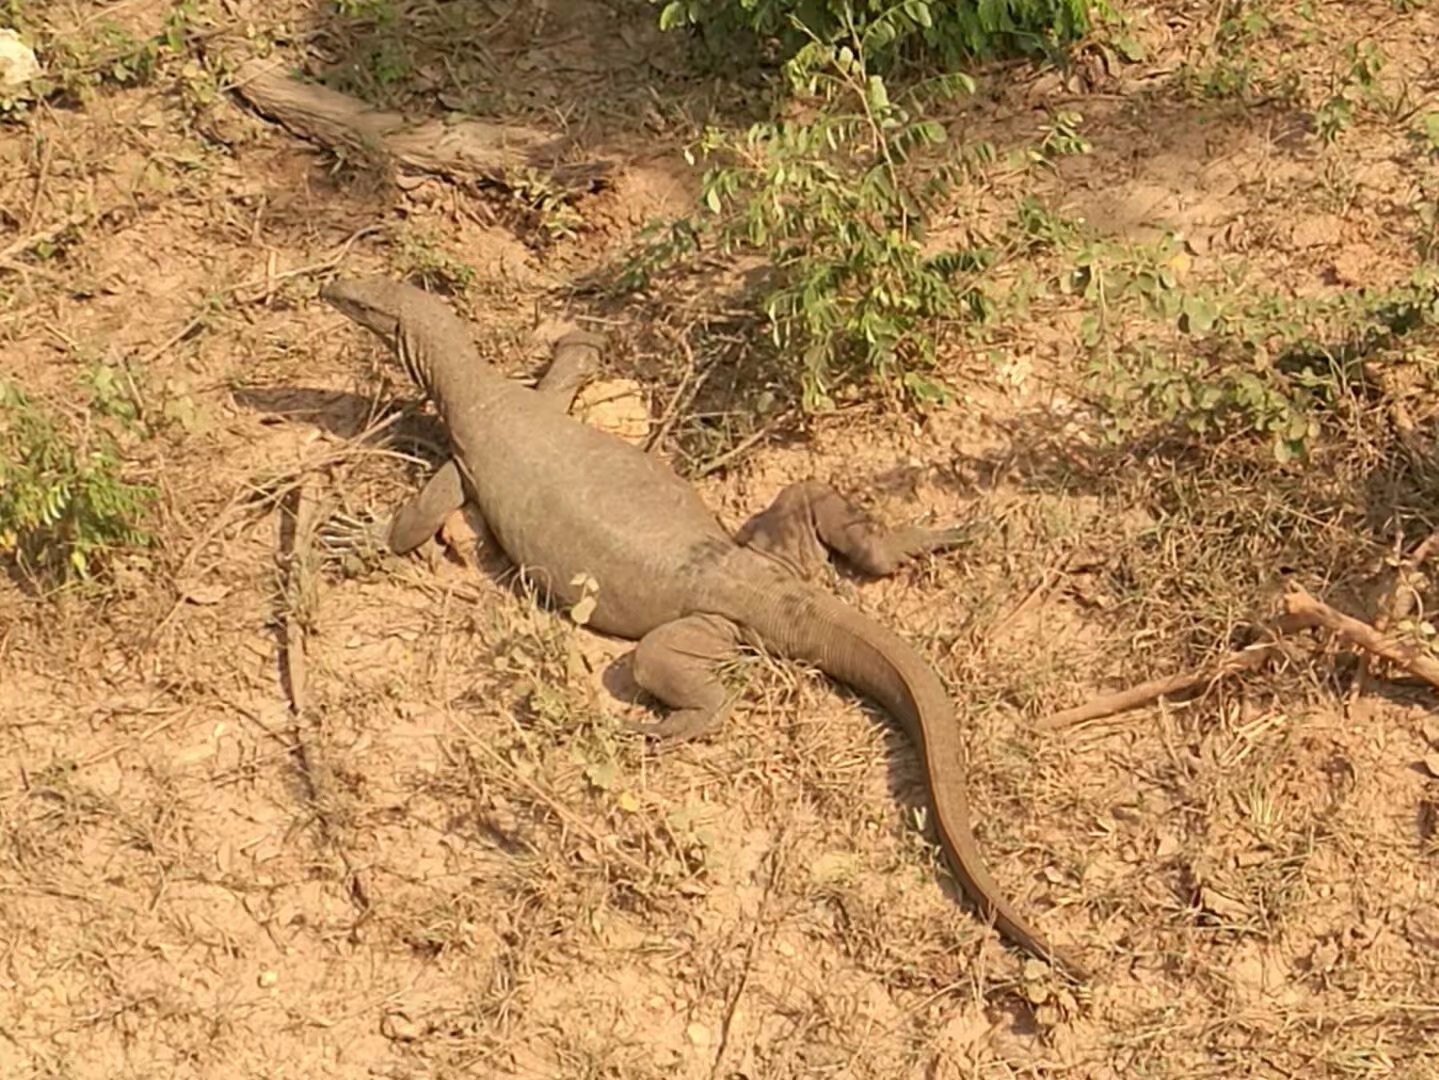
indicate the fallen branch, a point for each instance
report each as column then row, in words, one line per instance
column 297, row 535
column 466, row 150
column 1300, row 611
column 1304, row 610
column 1398, row 601
column 1154, row 689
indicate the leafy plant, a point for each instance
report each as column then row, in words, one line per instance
column 1269, row 365
column 545, row 206
column 950, row 32
column 835, row 205
column 64, row 506
column 424, row 260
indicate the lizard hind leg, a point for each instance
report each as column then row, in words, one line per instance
column 677, row 662
column 810, row 516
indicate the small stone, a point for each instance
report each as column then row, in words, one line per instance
column 267, row 979
column 698, row 1034
column 17, row 61
column 400, row 1027
column 616, row 406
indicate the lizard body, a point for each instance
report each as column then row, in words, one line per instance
column 567, row 502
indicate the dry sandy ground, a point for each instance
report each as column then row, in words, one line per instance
column 456, row 864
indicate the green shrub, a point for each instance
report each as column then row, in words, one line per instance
column 949, row 32
column 64, row 508
column 836, row 204
column 1269, row 365
column 836, row 210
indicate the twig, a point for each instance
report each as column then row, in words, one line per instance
column 269, row 281
column 1154, row 689
column 684, row 393
column 1304, row 610
column 1393, row 607
column 1300, row 610
column 247, row 490
column 759, row 932
column 739, row 448
column 42, row 173
column 25, row 243
column 299, row 512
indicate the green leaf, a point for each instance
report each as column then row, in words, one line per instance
column 672, row 15
column 1198, row 315
column 878, row 95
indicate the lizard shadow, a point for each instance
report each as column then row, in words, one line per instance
column 344, row 414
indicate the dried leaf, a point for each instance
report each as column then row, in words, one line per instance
column 1223, row 906
column 204, row 595
column 582, row 610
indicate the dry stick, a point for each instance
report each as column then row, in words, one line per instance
column 47, row 153
column 1144, row 693
column 740, row 447
column 246, row 491
column 758, row 931
column 1305, row 610
column 1300, row 610
column 1393, row 607
column 25, row 243
column 684, row 393
column 298, row 507
column 269, row 281
column 466, row 150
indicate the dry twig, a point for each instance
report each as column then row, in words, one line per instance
column 1300, row 610
column 1303, row 609
column 1124, row 700
column 300, row 517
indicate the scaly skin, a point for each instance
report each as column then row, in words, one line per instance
column 565, row 501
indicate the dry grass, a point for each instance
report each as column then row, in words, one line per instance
column 1252, row 874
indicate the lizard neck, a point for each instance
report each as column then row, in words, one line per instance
column 445, row 364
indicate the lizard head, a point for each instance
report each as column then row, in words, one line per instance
column 375, row 303
column 416, row 325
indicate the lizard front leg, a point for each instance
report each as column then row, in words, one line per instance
column 810, row 516
column 678, row 663
column 574, row 359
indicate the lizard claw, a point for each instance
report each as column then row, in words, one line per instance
column 353, row 541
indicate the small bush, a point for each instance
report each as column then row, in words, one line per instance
column 837, row 203
column 835, row 207
column 1268, row 365
column 946, row 32
column 64, row 508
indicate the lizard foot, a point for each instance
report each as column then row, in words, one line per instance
column 682, row 725
column 356, row 543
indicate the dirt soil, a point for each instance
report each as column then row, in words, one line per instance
column 454, row 862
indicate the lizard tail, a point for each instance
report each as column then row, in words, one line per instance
column 809, row 624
